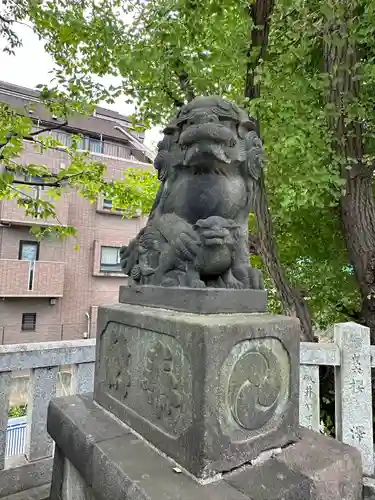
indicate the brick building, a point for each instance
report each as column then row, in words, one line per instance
column 50, row 290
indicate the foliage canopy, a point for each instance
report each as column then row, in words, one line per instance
column 161, row 52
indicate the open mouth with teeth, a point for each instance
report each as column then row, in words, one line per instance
column 207, row 146
column 206, row 157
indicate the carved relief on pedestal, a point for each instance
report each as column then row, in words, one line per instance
column 117, row 377
column 160, row 382
column 147, row 375
column 165, row 383
column 256, row 377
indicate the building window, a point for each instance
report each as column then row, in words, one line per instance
column 64, row 138
column 107, row 205
column 110, row 260
column 123, row 152
column 29, row 250
column 91, row 144
column 29, row 322
column 30, row 191
column 110, row 149
column 94, row 146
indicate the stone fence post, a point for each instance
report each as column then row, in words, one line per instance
column 353, row 393
column 309, row 410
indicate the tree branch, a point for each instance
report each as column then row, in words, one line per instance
column 5, row 20
column 260, row 12
column 177, row 102
column 31, row 136
column 11, row 21
column 254, row 244
column 28, row 196
column 185, row 85
column 48, row 129
column 58, row 183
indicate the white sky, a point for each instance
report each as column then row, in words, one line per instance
column 31, row 65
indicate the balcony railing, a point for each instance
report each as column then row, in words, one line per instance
column 43, row 360
column 23, row 278
column 11, row 213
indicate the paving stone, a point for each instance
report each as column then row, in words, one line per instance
column 272, row 480
column 335, row 468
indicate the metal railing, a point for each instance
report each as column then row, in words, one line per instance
column 16, row 437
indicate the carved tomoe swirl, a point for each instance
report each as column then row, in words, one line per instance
column 254, row 388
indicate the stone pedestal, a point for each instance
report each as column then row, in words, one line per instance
column 210, row 391
column 195, row 405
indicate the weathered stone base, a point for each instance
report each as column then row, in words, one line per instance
column 209, row 390
column 99, row 458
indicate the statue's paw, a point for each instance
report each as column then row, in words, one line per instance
column 123, row 252
column 197, row 284
column 256, row 279
column 234, row 284
column 138, row 272
column 127, row 259
column 169, row 282
column 230, row 281
column 187, row 246
column 174, row 278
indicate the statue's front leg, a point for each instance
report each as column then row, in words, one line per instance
column 249, row 276
column 241, row 269
column 178, row 261
column 230, row 280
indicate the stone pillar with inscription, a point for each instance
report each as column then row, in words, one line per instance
column 196, row 391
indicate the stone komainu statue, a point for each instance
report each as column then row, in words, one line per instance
column 197, row 232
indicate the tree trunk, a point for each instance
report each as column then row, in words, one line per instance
column 292, row 301
column 357, row 202
column 358, row 219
